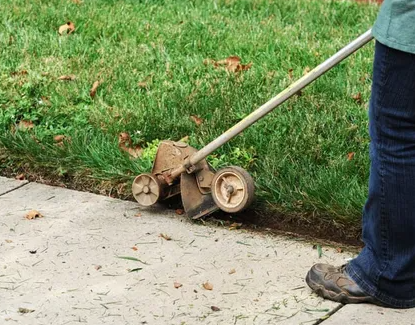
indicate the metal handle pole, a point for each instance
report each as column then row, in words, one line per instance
column 282, row 97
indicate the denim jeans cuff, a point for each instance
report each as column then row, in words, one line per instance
column 374, row 292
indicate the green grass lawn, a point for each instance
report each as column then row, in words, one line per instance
column 149, row 57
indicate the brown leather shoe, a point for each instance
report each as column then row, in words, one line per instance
column 333, row 283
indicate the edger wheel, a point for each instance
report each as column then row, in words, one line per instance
column 146, row 189
column 232, row 189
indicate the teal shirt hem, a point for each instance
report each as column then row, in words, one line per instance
column 388, row 41
column 395, row 25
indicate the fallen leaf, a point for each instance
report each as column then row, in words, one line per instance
column 232, row 271
column 177, row 285
column 58, row 138
column 134, row 248
column 94, row 88
column 290, row 74
column 138, row 214
column 25, row 125
column 164, row 236
column 126, row 144
column 20, row 177
column 9, row 241
column 25, row 310
column 196, row 119
column 350, row 156
column 69, row 27
column 179, row 211
column 45, row 101
column 98, row 267
column 339, row 250
column 68, row 77
column 358, row 98
column 231, row 63
column 33, row 214
column 19, row 73
column 208, row 286
column 306, row 70
column 214, row 308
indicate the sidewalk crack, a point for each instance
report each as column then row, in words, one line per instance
column 14, row 189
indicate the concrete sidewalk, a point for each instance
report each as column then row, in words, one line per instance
column 65, row 268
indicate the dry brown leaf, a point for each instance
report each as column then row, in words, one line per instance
column 214, row 308
column 9, row 241
column 290, row 74
column 94, row 88
column 68, row 77
column 19, row 73
column 177, row 285
column 25, row 125
column 231, row 63
column 134, row 248
column 126, row 144
column 124, row 138
column 179, row 212
column 98, row 267
column 45, row 101
column 232, row 271
column 69, row 27
column 138, row 214
column 20, row 177
column 306, row 70
column 207, row 286
column 350, row 156
column 58, row 138
column 196, row 119
column 33, row 214
column 339, row 250
column 358, row 98
column 164, row 236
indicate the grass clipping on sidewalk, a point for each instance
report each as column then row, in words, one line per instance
column 94, row 85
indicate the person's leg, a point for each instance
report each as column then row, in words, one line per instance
column 385, row 269
column 386, row 266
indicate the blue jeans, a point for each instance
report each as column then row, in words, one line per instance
column 385, row 268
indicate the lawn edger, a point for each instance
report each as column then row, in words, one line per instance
column 180, row 169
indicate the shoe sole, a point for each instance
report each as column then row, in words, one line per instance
column 340, row 297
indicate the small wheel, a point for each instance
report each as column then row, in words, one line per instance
column 146, row 189
column 232, row 189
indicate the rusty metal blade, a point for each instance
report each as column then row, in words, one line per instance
column 195, row 203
